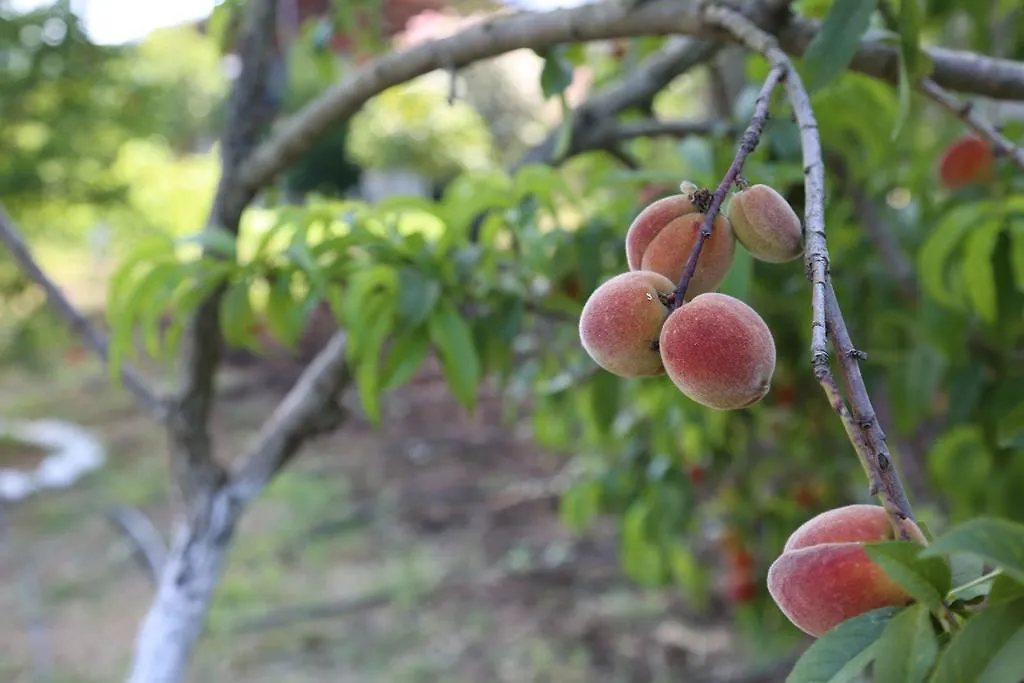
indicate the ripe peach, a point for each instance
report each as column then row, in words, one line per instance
column 824, row 577
column 766, row 225
column 967, row 160
column 649, row 222
column 621, row 322
column 718, row 351
column 670, row 249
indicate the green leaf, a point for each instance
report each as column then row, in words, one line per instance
column 286, row 317
column 998, row 541
column 605, row 392
column 926, row 579
column 905, row 88
column 978, row 270
column 237, row 315
column 967, row 569
column 989, row 648
column 1017, row 252
column 210, row 276
column 959, row 457
column 557, row 73
column 1010, row 428
column 1004, row 589
column 121, row 283
column 214, row 240
column 417, row 296
column 914, row 62
column 910, row 39
column 843, row 652
column 141, row 298
column 936, row 251
column 641, row 559
column 907, row 648
column 453, row 338
column 404, row 358
column 579, row 505
column 830, row 52
column 368, row 364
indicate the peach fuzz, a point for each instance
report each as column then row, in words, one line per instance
column 621, row 322
column 825, row 577
column 718, row 351
column 766, row 225
column 670, row 250
column 649, row 222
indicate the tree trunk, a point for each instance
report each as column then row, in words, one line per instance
column 177, row 615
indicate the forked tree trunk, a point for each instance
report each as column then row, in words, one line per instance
column 177, row 615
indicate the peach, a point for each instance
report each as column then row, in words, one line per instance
column 824, row 577
column 649, row 222
column 766, row 225
column 967, row 160
column 669, row 251
column 621, row 321
column 718, row 351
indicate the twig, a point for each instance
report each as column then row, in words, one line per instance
column 965, row 112
column 11, row 237
column 32, row 603
column 885, row 480
column 751, row 137
column 147, row 544
column 859, row 420
column 676, row 129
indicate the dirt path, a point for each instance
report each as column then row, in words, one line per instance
column 412, row 544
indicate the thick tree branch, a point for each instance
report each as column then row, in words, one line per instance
column 962, row 71
column 252, row 107
column 594, row 121
column 309, row 409
column 19, row 250
column 860, row 423
column 967, row 72
column 965, row 112
column 537, row 30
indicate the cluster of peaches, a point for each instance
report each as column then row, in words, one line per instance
column 720, row 353
column 715, row 348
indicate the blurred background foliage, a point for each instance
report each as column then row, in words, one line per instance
column 123, row 137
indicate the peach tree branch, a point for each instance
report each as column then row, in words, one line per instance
column 966, row 112
column 859, row 419
column 751, row 137
column 96, row 340
column 958, row 70
column 963, row 71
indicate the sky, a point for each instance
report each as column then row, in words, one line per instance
column 121, row 21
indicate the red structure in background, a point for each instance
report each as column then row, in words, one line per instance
column 396, row 16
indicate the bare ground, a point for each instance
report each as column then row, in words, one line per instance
column 412, row 552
